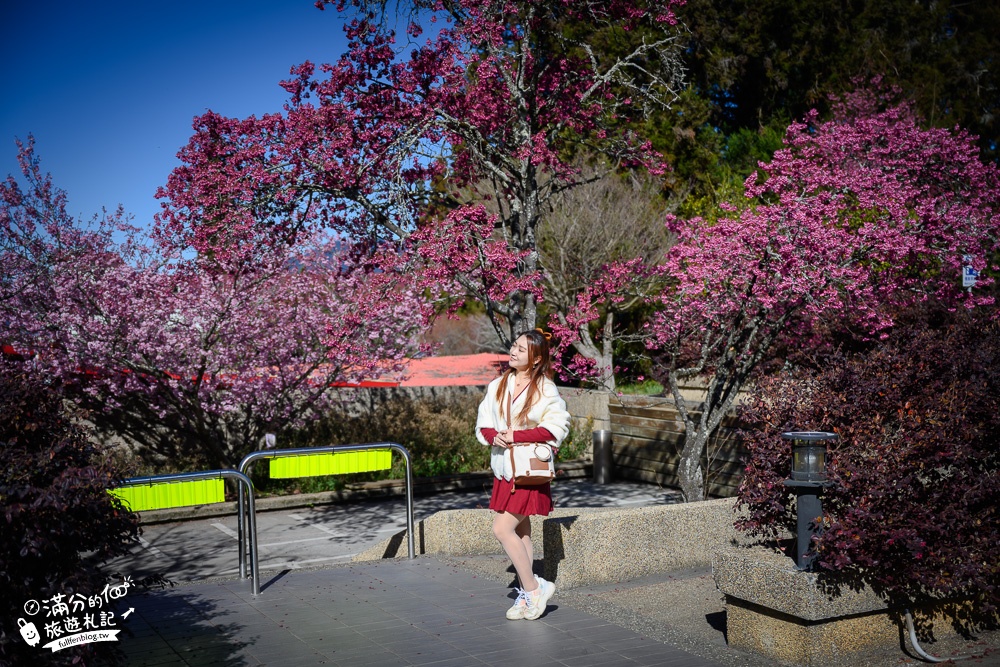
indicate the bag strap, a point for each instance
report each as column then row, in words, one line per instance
column 510, row 450
column 513, row 472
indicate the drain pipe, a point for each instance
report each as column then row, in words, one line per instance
column 923, row 654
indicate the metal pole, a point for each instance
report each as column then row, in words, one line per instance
column 242, row 480
column 240, row 538
column 808, row 511
column 254, row 560
column 410, row 542
column 602, row 456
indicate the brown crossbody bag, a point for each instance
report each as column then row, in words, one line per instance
column 531, row 462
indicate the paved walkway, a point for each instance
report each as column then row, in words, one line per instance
column 433, row 610
column 384, row 613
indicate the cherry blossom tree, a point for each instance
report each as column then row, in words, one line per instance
column 494, row 96
column 854, row 218
column 193, row 357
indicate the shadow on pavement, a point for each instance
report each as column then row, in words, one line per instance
column 172, row 627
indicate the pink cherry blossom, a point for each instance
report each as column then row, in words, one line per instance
column 410, row 138
column 193, row 354
column 855, row 218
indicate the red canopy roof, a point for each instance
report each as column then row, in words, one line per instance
column 457, row 370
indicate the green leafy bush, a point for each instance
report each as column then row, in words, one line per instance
column 59, row 522
column 577, row 441
column 642, row 388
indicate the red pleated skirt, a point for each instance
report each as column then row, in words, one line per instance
column 526, row 500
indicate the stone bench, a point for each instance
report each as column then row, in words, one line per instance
column 585, row 547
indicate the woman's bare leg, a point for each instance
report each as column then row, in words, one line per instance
column 523, row 531
column 505, row 528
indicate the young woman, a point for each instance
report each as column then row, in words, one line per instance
column 538, row 414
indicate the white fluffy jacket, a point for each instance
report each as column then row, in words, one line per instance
column 549, row 412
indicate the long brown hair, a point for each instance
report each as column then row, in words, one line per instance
column 539, row 368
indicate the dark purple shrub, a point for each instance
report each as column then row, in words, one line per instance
column 58, row 522
column 912, row 504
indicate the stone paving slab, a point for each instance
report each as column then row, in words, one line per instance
column 403, row 612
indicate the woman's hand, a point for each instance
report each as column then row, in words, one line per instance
column 504, row 439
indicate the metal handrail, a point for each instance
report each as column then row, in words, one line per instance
column 244, row 481
column 332, row 449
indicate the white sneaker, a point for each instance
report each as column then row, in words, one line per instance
column 516, row 612
column 538, row 599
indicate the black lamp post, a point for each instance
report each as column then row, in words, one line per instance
column 807, row 481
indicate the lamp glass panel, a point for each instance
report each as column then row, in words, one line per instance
column 809, row 462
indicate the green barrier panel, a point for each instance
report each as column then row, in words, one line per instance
column 337, row 463
column 161, row 495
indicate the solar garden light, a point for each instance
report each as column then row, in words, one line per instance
column 806, row 482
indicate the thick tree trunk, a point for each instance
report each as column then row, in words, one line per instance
column 689, row 471
column 606, row 370
column 690, row 475
column 523, row 313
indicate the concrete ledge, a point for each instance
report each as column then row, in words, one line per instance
column 767, row 579
column 775, row 610
column 851, row 640
column 456, row 532
column 587, row 404
column 584, row 547
column 620, row 545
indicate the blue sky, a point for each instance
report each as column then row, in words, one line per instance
column 109, row 88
